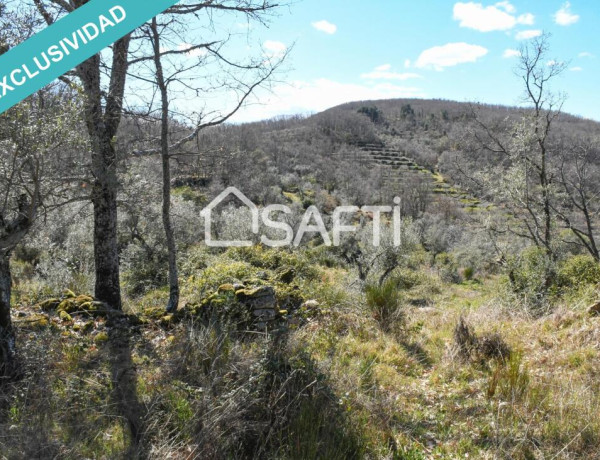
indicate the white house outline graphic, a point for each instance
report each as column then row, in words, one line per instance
column 207, row 214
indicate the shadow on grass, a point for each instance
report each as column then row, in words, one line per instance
column 213, row 394
column 415, row 350
column 249, row 397
column 124, row 383
column 75, row 398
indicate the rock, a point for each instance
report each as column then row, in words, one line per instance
column 95, row 307
column 290, row 299
column 223, row 288
column 261, row 302
column 67, row 305
column 286, row 274
column 83, row 303
column 264, row 314
column 35, row 323
column 50, row 304
column 594, row 310
column 310, row 305
column 259, row 298
column 65, row 317
column 87, row 307
column 81, row 299
column 68, row 294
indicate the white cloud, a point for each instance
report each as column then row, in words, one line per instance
column 510, row 53
column 526, row 19
column 274, row 49
column 407, row 64
column 576, row 69
column 506, row 6
column 489, row 18
column 383, row 72
column 325, row 26
column 484, row 19
column 449, row 55
column 302, row 97
column 585, row 54
column 527, row 34
column 198, row 52
column 378, row 75
column 564, row 17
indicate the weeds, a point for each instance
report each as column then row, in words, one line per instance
column 384, row 303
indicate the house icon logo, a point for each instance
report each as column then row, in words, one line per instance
column 206, row 213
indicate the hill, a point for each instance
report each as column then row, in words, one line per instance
column 464, row 340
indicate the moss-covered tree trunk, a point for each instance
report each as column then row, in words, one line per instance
column 7, row 334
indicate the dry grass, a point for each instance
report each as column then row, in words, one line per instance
column 338, row 385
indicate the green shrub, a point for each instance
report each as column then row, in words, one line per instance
column 195, row 259
column 578, row 271
column 143, row 271
column 273, row 259
column 384, row 303
column 325, row 256
column 190, row 194
column 468, row 273
column 408, row 279
column 532, row 274
column 510, row 380
column 222, row 272
column 447, row 268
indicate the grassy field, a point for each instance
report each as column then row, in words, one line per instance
column 344, row 379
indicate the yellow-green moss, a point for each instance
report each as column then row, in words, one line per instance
column 65, row 317
column 101, row 337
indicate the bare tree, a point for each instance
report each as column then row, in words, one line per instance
column 104, row 86
column 527, row 186
column 252, row 75
column 579, row 208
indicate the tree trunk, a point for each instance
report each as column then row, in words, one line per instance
column 102, row 122
column 169, row 234
column 166, row 171
column 106, row 255
column 171, row 245
column 7, row 333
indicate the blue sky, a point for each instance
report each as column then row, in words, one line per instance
column 347, row 50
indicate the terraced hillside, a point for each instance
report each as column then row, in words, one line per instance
column 396, row 167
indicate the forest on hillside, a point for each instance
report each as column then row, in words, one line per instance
column 473, row 334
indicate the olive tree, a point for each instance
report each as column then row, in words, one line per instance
column 39, row 151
